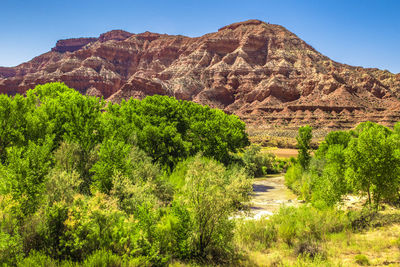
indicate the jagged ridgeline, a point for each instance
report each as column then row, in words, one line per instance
column 259, row 71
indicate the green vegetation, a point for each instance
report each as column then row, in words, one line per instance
column 137, row 183
column 363, row 161
column 160, row 181
column 303, row 144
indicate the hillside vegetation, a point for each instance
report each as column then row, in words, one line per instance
column 162, row 181
column 140, row 183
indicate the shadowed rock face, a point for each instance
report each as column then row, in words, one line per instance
column 259, row 71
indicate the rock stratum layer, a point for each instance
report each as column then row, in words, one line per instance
column 262, row 72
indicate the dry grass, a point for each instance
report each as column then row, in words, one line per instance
column 380, row 247
column 281, row 137
column 281, row 152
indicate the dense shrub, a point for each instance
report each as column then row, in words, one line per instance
column 365, row 160
column 304, row 145
column 257, row 163
column 301, row 228
column 255, row 234
column 211, row 194
column 95, row 184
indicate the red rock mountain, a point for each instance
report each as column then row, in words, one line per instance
column 259, row 71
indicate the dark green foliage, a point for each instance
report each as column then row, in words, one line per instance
column 170, row 130
column 374, row 162
column 304, row 145
column 361, row 260
column 82, row 181
column 333, row 138
column 365, row 160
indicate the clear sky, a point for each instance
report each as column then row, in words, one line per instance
column 356, row 32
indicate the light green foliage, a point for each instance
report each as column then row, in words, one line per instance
column 333, row 138
column 113, row 156
column 303, row 144
column 12, row 123
column 301, row 229
column 293, row 177
column 307, row 223
column 27, row 169
column 361, row 260
column 70, row 158
column 255, row 234
column 97, row 222
column 364, row 160
column 332, row 185
column 211, row 196
column 255, row 163
column 74, row 117
column 132, row 195
column 81, row 181
column 116, row 156
column 11, row 245
column 373, row 162
column 62, row 185
column 36, row 258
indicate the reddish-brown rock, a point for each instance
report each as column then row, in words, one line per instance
column 259, row 71
column 71, row 45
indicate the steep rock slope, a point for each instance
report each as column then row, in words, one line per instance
column 259, row 71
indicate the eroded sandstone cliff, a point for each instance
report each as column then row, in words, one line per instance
column 259, row 71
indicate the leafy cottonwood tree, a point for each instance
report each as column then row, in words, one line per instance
column 170, row 130
column 373, row 162
column 304, row 144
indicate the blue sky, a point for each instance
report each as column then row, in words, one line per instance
column 356, row 32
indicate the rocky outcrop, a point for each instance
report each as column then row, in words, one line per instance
column 71, row 45
column 259, row 71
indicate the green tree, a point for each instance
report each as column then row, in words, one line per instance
column 170, row 130
column 373, row 162
column 333, row 138
column 331, row 185
column 26, row 172
column 211, row 196
column 72, row 118
column 304, row 144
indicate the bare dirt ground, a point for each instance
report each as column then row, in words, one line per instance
column 283, row 152
column 269, row 194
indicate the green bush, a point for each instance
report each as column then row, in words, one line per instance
column 307, row 223
column 11, row 242
column 211, row 194
column 361, row 259
column 36, row 258
column 304, row 146
column 255, row 234
column 257, row 163
column 293, row 177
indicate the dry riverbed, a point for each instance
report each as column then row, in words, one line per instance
column 269, row 194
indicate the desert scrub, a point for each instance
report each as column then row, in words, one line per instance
column 301, row 228
column 255, row 234
column 361, row 259
column 307, row 223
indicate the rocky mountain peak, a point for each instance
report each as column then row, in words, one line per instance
column 262, row 72
column 233, row 26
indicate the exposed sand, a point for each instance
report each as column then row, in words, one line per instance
column 283, row 152
column 269, row 194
